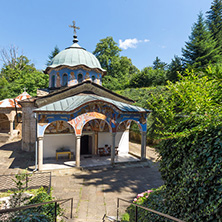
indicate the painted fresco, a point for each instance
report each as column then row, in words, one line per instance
column 97, row 110
column 79, row 122
column 59, row 127
column 96, row 125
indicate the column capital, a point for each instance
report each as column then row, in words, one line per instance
column 113, row 133
column 40, row 138
column 143, row 132
column 78, row 136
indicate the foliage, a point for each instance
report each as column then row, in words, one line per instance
column 174, row 68
column 148, row 77
column 201, row 48
column 157, row 64
column 22, row 75
column 188, row 121
column 119, row 68
column 214, row 19
column 152, row 199
column 142, row 97
column 52, row 55
column 19, row 198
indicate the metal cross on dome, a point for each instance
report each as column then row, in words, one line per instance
column 74, row 27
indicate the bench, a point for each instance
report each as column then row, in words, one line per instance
column 106, row 151
column 64, row 152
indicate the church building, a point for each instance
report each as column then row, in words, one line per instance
column 76, row 114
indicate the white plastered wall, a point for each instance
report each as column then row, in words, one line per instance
column 122, row 140
column 52, row 142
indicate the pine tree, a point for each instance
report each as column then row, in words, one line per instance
column 52, row 55
column 214, row 20
column 201, row 48
column 174, row 67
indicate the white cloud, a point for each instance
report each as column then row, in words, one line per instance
column 130, row 43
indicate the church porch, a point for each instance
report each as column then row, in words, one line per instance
column 87, row 161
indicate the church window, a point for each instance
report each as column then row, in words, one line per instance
column 65, row 80
column 53, row 81
column 80, row 78
column 93, row 78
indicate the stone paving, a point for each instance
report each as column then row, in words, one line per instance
column 94, row 190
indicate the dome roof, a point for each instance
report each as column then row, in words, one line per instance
column 75, row 55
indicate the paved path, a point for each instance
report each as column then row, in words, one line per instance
column 94, row 191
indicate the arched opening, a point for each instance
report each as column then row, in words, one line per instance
column 18, row 122
column 93, row 78
column 95, row 134
column 129, row 137
column 58, row 135
column 4, row 123
column 80, row 78
column 65, row 80
column 53, row 81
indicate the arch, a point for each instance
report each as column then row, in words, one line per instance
column 93, row 78
column 4, row 123
column 58, row 127
column 80, row 77
column 129, row 122
column 64, row 79
column 79, row 122
column 98, row 126
column 53, row 81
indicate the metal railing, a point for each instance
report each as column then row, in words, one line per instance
column 10, row 210
column 32, row 181
column 145, row 208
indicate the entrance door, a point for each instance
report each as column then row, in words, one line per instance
column 86, row 145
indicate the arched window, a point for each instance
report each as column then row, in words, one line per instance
column 93, row 78
column 53, row 81
column 65, row 80
column 80, row 78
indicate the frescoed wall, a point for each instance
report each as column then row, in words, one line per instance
column 107, row 112
column 73, row 76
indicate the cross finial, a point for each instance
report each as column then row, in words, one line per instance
column 74, row 27
column 25, row 89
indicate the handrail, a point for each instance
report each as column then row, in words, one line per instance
column 9, row 210
column 148, row 209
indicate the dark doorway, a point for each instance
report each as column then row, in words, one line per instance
column 86, row 145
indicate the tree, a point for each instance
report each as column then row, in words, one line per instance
column 148, row 77
column 53, row 53
column 174, row 68
column 157, row 64
column 108, row 53
column 10, row 57
column 214, row 20
column 201, row 49
column 119, row 68
column 13, row 78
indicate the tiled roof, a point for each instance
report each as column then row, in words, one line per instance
column 10, row 103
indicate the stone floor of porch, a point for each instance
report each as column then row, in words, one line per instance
column 87, row 161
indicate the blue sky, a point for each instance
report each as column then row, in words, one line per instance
column 143, row 28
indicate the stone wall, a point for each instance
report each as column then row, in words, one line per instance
column 28, row 127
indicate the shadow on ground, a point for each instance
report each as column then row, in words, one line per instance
column 13, row 157
column 135, row 180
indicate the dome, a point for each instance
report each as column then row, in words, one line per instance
column 75, row 55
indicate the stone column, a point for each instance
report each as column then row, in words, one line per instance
column 113, row 148
column 11, row 126
column 40, row 153
column 143, row 145
column 96, row 144
column 78, row 140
